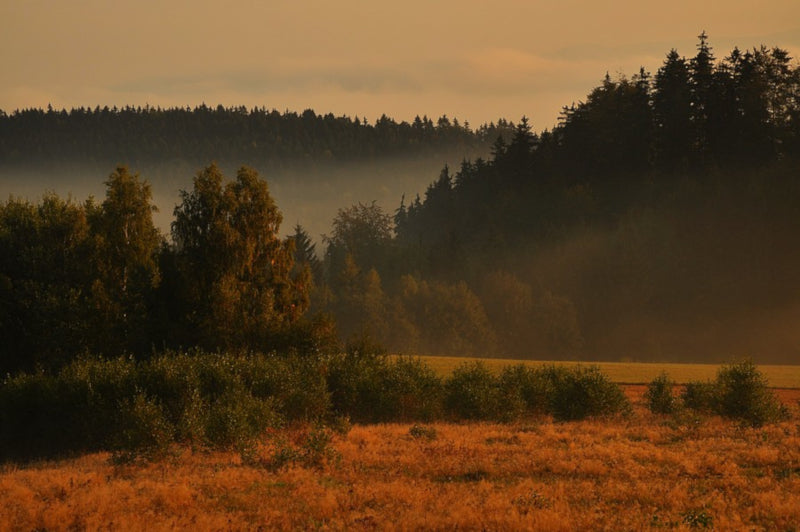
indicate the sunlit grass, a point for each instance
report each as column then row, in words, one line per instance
column 629, row 372
column 647, row 472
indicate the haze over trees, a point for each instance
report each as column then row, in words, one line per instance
column 657, row 220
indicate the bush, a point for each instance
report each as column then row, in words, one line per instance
column 38, row 416
column 580, row 392
column 372, row 388
column 472, row 392
column 659, row 396
column 236, row 419
column 524, row 390
column 700, row 396
column 296, row 384
column 142, row 431
column 742, row 393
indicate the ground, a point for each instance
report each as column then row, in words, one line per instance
column 641, row 472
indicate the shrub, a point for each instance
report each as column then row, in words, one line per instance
column 38, row 416
column 296, row 384
column 413, row 391
column 700, row 396
column 375, row 388
column 742, row 393
column 659, row 396
column 581, row 392
column 524, row 390
column 142, row 431
column 236, row 419
column 472, row 392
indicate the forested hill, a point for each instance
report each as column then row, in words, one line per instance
column 262, row 138
column 657, row 221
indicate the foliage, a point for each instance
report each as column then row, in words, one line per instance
column 235, row 273
column 77, row 277
column 742, row 393
column 368, row 387
column 659, row 395
column 472, row 392
column 266, row 138
column 699, row 396
column 581, row 392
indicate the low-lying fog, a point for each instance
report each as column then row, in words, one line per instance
column 308, row 197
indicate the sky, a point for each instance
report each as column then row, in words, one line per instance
column 472, row 60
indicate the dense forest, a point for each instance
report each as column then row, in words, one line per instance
column 258, row 137
column 656, row 221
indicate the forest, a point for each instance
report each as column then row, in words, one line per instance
column 656, row 221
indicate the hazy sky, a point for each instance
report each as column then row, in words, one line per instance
column 473, row 60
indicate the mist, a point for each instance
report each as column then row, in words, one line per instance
column 310, row 197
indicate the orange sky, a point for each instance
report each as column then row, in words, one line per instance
column 462, row 58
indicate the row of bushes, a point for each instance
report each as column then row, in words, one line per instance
column 228, row 401
column 740, row 391
column 140, row 408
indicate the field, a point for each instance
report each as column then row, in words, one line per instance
column 631, row 372
column 643, row 472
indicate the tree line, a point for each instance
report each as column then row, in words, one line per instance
column 98, row 277
column 257, row 137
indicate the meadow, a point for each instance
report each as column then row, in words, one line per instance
column 644, row 472
column 220, row 442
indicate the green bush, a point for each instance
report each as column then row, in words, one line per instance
column 659, row 396
column 372, row 388
column 580, row 392
column 472, row 392
column 236, row 419
column 38, row 416
column 742, row 393
column 296, row 384
column 141, row 431
column 524, row 391
column 700, row 396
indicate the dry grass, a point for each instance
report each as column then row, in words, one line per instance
column 647, row 472
column 629, row 372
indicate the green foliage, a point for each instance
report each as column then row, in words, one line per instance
column 449, row 318
column 698, row 518
column 472, row 392
column 144, row 432
column 742, row 393
column 268, row 138
column 235, row 419
column 236, row 279
column 699, row 396
column 369, row 387
column 525, row 390
column 579, row 392
column 659, row 395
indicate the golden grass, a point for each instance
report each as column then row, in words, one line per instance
column 642, row 473
column 629, row 372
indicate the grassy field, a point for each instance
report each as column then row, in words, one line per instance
column 643, row 473
column 631, row 372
